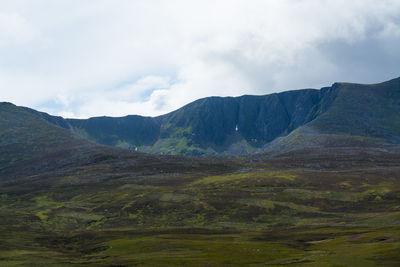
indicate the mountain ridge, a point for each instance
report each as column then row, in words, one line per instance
column 213, row 125
column 248, row 124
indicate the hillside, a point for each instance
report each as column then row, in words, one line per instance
column 31, row 145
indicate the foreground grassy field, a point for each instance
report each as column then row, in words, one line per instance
column 254, row 214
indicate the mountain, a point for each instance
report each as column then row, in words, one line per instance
column 341, row 115
column 344, row 114
column 213, row 125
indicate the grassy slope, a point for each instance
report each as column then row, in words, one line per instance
column 26, row 139
column 364, row 110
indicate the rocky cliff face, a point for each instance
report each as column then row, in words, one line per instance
column 256, row 119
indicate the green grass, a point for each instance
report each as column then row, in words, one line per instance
column 246, row 177
column 261, row 214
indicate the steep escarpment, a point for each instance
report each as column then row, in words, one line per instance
column 213, row 125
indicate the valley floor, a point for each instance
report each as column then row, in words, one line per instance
column 260, row 214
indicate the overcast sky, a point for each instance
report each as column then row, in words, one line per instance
column 91, row 58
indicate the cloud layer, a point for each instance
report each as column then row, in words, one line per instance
column 124, row 57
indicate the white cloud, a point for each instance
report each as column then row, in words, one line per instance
column 15, row 30
column 391, row 29
column 149, row 57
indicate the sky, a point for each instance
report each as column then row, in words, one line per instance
column 86, row 58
